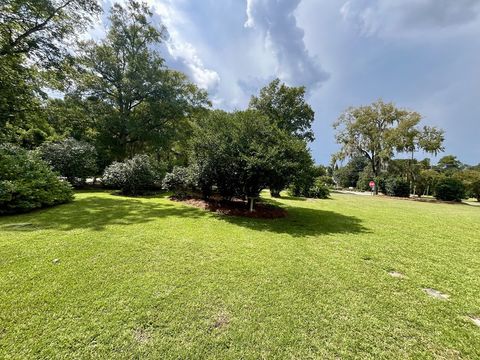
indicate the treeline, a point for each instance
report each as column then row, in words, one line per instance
column 373, row 139
column 110, row 111
column 122, row 116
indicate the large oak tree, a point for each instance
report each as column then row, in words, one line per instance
column 148, row 101
column 379, row 130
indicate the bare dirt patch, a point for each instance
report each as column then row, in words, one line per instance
column 475, row 320
column 396, row 274
column 221, row 320
column 436, row 294
column 141, row 335
column 236, row 207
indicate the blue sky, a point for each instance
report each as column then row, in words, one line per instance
column 421, row 54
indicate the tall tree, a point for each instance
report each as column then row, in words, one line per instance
column 449, row 164
column 125, row 72
column 286, row 107
column 376, row 131
column 411, row 138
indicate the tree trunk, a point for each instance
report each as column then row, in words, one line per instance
column 251, row 201
column 275, row 193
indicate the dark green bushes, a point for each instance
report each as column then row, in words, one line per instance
column 319, row 190
column 474, row 189
column 397, row 187
column 449, row 189
column 27, row 182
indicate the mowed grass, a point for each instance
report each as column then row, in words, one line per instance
column 147, row 278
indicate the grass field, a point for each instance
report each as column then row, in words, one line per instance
column 147, row 278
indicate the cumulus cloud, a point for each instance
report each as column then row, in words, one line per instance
column 181, row 53
column 276, row 21
column 404, row 17
column 178, row 53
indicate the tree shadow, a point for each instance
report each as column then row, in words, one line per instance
column 302, row 221
column 96, row 213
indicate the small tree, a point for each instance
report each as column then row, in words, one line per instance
column 243, row 152
column 73, row 159
column 319, row 190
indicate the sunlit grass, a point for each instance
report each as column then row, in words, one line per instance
column 151, row 278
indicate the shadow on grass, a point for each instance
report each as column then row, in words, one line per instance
column 302, row 221
column 96, row 213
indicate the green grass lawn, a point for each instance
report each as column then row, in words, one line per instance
column 148, row 278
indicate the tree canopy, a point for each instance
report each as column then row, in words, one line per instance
column 125, row 73
column 242, row 153
column 286, row 106
column 42, row 29
column 378, row 130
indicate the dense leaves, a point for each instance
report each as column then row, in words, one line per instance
column 319, row 190
column 148, row 103
column 449, row 189
column 286, row 107
column 243, row 152
column 73, row 159
column 395, row 186
column 27, row 182
column 41, row 29
column 348, row 175
column 135, row 176
column 181, row 181
column 35, row 36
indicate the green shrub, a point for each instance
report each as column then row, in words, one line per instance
column 397, row 187
column 327, row 181
column 27, row 182
column 364, row 179
column 475, row 189
column 73, row 159
column 449, row 189
column 181, row 181
column 294, row 190
column 134, row 176
column 319, row 190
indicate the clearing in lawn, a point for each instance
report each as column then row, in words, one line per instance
column 115, row 277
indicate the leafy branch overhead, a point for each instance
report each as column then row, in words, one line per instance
column 42, row 28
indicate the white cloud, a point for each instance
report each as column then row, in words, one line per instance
column 411, row 17
column 276, row 21
column 181, row 51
